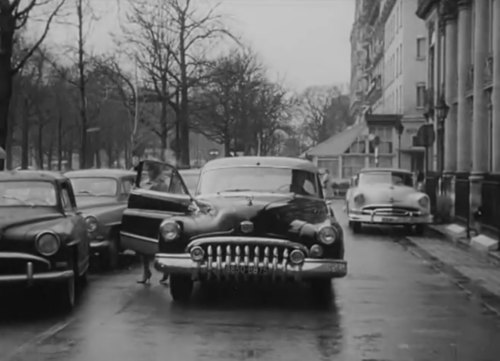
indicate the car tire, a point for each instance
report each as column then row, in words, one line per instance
column 419, row 229
column 322, row 290
column 356, row 227
column 66, row 294
column 110, row 257
column 181, row 288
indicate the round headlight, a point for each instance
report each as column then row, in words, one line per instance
column 297, row 256
column 359, row 199
column 327, row 235
column 170, row 230
column 91, row 223
column 197, row 254
column 316, row 251
column 47, row 244
column 424, row 202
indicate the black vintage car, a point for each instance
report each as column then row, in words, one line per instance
column 43, row 237
column 251, row 218
column 102, row 195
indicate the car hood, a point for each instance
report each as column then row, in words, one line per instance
column 85, row 203
column 271, row 213
column 387, row 193
column 12, row 217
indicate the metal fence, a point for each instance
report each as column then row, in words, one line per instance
column 490, row 207
column 462, row 190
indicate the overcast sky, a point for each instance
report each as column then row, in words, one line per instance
column 306, row 42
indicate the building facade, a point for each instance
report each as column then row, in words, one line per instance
column 387, row 90
column 464, row 107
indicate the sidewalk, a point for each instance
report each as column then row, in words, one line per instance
column 474, row 269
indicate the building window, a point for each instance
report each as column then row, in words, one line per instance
column 401, row 58
column 420, row 95
column 420, row 48
column 351, row 165
column 385, row 135
column 358, row 147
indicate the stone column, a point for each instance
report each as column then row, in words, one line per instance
column 496, row 86
column 464, row 130
column 450, row 126
column 480, row 111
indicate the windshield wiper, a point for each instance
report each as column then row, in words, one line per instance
column 19, row 200
column 234, row 190
column 86, row 192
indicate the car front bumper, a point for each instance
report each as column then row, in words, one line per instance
column 389, row 219
column 311, row 268
column 99, row 244
column 29, row 276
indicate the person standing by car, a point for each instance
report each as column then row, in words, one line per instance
column 155, row 182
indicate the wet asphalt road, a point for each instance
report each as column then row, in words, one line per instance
column 391, row 306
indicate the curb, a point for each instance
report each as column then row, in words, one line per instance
column 488, row 299
column 464, row 243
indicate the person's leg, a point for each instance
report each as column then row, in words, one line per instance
column 146, row 271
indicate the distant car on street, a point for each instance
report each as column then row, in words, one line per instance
column 102, row 195
column 387, row 196
column 250, row 219
column 43, row 236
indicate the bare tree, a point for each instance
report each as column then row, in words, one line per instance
column 171, row 40
column 13, row 18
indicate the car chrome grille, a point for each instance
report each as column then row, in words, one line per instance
column 264, row 258
column 390, row 211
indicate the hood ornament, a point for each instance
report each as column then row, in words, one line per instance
column 250, row 200
column 246, row 227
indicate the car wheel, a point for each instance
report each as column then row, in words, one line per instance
column 356, row 227
column 419, row 229
column 322, row 290
column 181, row 288
column 110, row 259
column 66, row 294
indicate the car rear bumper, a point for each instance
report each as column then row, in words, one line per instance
column 310, row 269
column 29, row 275
column 388, row 219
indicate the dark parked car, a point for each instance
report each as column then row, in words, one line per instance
column 251, row 218
column 43, row 237
column 102, row 195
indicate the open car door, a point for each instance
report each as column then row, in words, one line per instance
column 159, row 193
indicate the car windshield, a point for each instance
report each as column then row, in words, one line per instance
column 94, row 187
column 191, row 181
column 259, row 179
column 27, row 193
column 393, row 178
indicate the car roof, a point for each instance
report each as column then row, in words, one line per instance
column 32, row 175
column 265, row 161
column 396, row 170
column 101, row 172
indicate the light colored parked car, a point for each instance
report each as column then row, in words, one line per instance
column 388, row 197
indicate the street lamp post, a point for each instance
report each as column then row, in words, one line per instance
column 400, row 129
column 441, row 112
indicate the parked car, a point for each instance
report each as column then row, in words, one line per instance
column 261, row 218
column 387, row 196
column 102, row 195
column 191, row 178
column 43, row 237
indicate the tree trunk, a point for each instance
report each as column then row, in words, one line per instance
column 164, row 119
column 49, row 157
column 184, row 107
column 69, row 157
column 59, row 143
column 40, row 145
column 81, row 88
column 25, row 151
column 7, row 25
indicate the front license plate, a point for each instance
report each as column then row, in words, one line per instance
column 338, row 267
column 246, row 270
column 387, row 219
